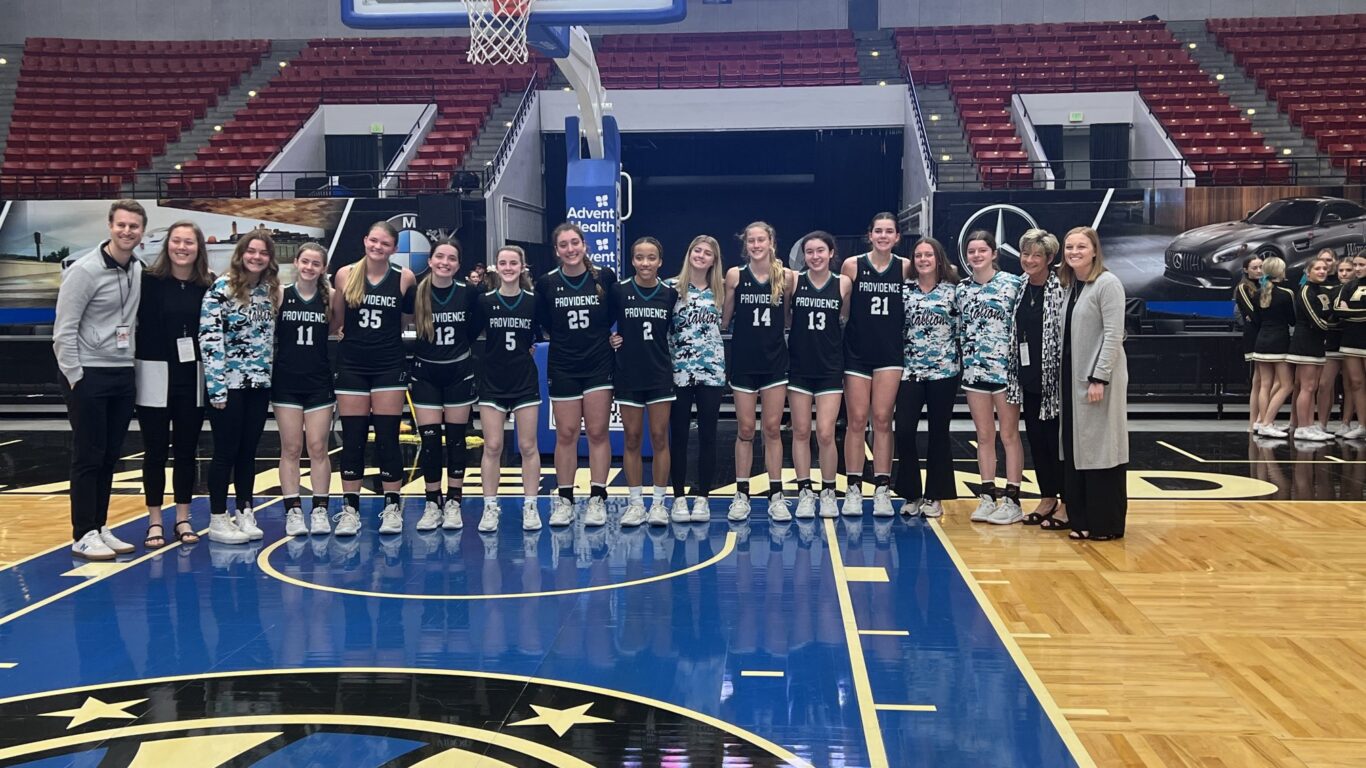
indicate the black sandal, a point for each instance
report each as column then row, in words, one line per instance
column 1051, row 523
column 1037, row 518
column 188, row 536
column 160, row 536
column 1079, row 535
column 1105, row 537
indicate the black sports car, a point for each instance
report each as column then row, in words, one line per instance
column 1293, row 228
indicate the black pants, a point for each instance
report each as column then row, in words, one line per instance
column 1043, row 447
column 1097, row 499
column 237, row 429
column 178, row 424
column 937, row 398
column 708, row 402
column 99, row 409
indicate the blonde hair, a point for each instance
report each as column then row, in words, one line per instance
column 716, row 279
column 354, row 290
column 777, row 274
column 1040, row 238
column 493, row 281
column 1065, row 272
column 199, row 272
column 422, row 300
column 1273, row 271
column 270, row 278
column 324, row 290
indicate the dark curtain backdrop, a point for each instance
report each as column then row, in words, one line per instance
column 1109, row 155
column 1050, row 138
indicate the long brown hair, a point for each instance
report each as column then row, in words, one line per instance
column 777, row 273
column 494, row 281
column 570, row 226
column 422, row 300
column 324, row 289
column 354, row 290
column 270, row 278
column 199, row 271
column 944, row 272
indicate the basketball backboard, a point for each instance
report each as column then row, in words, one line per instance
column 399, row 14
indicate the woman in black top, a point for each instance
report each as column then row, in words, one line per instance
column 170, row 376
column 1274, row 316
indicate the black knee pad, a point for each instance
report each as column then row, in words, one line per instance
column 354, row 431
column 431, row 452
column 455, row 449
column 386, row 448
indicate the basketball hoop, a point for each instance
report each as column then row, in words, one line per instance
column 498, row 30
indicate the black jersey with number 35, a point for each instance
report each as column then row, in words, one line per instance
column 643, row 316
column 757, row 343
column 451, row 325
column 573, row 310
column 509, row 326
column 372, row 333
column 816, row 341
column 301, row 362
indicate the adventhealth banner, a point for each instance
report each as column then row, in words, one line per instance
column 591, row 193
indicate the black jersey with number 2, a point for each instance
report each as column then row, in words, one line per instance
column 372, row 333
column 506, row 366
column 643, row 316
column 757, row 343
column 451, row 325
column 816, row 341
column 575, row 313
column 301, row 363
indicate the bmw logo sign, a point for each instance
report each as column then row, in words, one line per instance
column 413, row 245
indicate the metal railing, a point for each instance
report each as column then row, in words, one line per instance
column 500, row 158
column 223, row 184
column 1140, row 172
column 715, row 75
column 931, row 167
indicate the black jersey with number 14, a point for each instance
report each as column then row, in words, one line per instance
column 757, row 343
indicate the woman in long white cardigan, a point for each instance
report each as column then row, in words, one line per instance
column 1095, row 384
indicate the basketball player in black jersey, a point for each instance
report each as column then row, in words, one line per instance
column 757, row 299
column 571, row 306
column 508, row 381
column 441, row 382
column 873, row 360
column 301, row 389
column 369, row 305
column 642, row 309
column 820, row 304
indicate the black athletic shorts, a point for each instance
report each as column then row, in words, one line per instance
column 986, row 387
column 751, row 383
column 566, row 386
column 643, row 397
column 824, row 384
column 441, row 385
column 306, row 401
column 366, row 383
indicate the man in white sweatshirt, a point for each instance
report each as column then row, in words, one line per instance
column 97, row 308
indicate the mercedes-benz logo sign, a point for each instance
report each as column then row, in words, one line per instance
column 1010, row 223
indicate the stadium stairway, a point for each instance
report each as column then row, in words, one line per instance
column 945, row 132
column 877, row 57
column 496, row 127
column 9, row 85
column 1273, row 124
column 197, row 137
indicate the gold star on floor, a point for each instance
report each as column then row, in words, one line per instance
column 561, row 720
column 94, row 709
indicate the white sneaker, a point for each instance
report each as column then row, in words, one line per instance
column 318, row 523
column 739, row 508
column 391, row 519
column 806, row 504
column 911, row 508
column 830, row 505
column 488, row 521
column 431, row 517
column 932, row 508
column 347, row 520
column 1355, row 433
column 531, row 515
column 450, row 516
column 853, row 502
column 882, row 502
column 634, row 515
column 1007, row 512
column 984, row 510
column 91, row 546
column 701, row 510
column 223, row 531
column 246, row 521
column 294, row 522
column 659, row 513
column 114, row 543
column 1342, row 430
column 1271, row 430
column 1322, row 434
column 596, row 513
column 680, row 510
column 561, row 511
column 778, row 510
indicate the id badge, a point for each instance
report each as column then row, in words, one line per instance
column 122, row 336
column 1024, row 355
column 185, row 349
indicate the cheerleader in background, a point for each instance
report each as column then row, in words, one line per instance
column 1307, row 352
column 1351, row 308
column 1245, row 304
column 1274, row 315
column 1342, row 273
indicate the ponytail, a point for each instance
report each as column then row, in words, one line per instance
column 422, row 309
column 1273, row 270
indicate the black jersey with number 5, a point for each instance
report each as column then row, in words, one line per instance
column 301, row 363
column 816, row 341
column 877, row 315
column 757, row 343
column 451, row 325
column 643, row 316
column 509, row 326
column 574, row 311
column 372, row 333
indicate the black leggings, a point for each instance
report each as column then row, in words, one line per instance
column 237, row 429
column 937, row 397
column 179, row 424
column 1043, row 447
column 708, row 401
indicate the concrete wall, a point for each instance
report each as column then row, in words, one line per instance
column 516, row 204
column 930, row 13
column 304, row 155
column 1147, row 140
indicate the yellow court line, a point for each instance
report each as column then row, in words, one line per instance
column 907, row 708
column 985, row 570
column 863, row 687
column 1083, row 712
column 885, row 632
column 10, row 442
column 58, row 547
column 992, row 581
column 1185, row 453
column 866, row 573
column 1334, row 458
column 1032, row 636
column 1050, row 707
column 1189, row 455
column 263, row 562
column 8, row 664
column 761, row 673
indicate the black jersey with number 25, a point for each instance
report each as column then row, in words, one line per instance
column 573, row 310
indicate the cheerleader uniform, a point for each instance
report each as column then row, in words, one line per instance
column 371, row 349
column 303, row 373
column 876, row 318
column 1332, row 337
column 1244, row 300
column 442, row 372
column 1351, row 310
column 1312, row 305
column 644, row 368
column 574, row 311
column 816, row 340
column 508, row 378
column 758, row 348
column 1273, row 325
column 986, row 331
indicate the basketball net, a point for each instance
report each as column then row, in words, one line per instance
column 498, row 31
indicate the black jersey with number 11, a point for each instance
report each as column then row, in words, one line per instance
column 301, row 362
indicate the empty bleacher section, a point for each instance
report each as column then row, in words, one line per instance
column 1312, row 68
column 983, row 66
column 729, row 59
column 89, row 114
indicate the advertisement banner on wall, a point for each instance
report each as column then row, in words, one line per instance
column 1181, row 250
column 591, row 191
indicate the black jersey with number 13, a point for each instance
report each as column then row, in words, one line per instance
column 816, row 339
